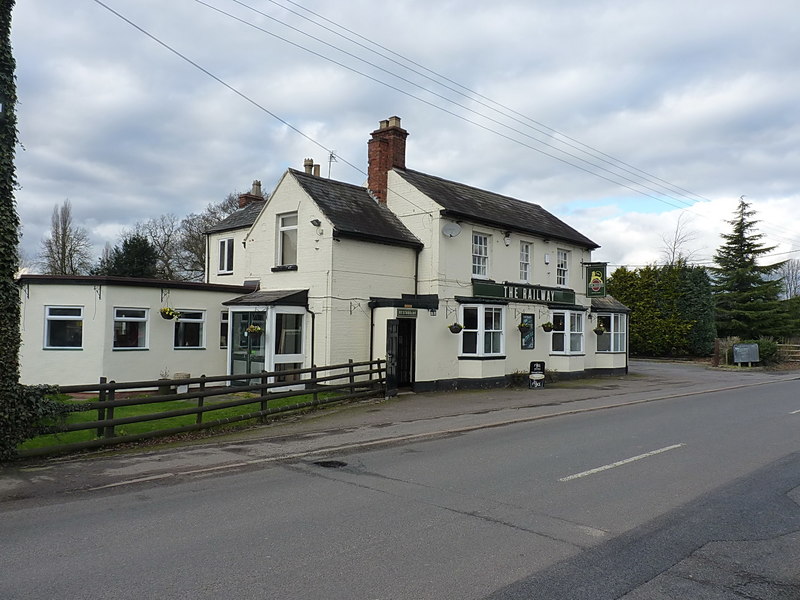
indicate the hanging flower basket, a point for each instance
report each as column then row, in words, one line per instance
column 523, row 327
column 253, row 329
column 455, row 328
column 599, row 330
column 169, row 313
column 547, row 326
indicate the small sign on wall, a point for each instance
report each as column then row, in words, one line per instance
column 407, row 313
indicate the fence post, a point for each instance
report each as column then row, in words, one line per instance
column 381, row 377
column 200, row 399
column 352, row 377
column 101, row 412
column 314, row 373
column 264, row 382
column 109, row 430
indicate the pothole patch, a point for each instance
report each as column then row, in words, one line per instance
column 330, row 464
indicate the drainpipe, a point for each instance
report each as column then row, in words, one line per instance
column 416, row 270
column 371, row 331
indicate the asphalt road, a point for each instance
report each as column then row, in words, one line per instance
column 693, row 497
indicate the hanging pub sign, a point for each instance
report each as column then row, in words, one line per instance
column 595, row 280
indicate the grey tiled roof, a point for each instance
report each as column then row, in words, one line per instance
column 354, row 213
column 608, row 303
column 244, row 217
column 462, row 201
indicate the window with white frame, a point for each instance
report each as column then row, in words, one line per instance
column 614, row 338
column 525, row 262
column 480, row 254
column 224, row 317
column 483, row 330
column 287, row 239
column 130, row 328
column 190, row 329
column 288, row 343
column 567, row 336
column 63, row 327
column 225, row 256
column 562, row 267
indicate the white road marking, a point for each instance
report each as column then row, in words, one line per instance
column 794, row 412
column 620, row 463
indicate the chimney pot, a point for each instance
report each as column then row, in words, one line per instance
column 316, row 170
column 256, row 191
column 308, row 165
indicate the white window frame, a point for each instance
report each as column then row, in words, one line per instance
column 278, row 359
column 481, row 242
column 284, row 230
column 489, row 337
column 615, row 325
column 131, row 319
column 226, row 252
column 562, row 267
column 50, row 318
column 183, row 319
column 569, row 330
column 224, row 329
column 525, row 261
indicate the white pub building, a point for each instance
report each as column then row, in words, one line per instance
column 457, row 286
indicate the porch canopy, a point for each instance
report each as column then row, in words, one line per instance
column 271, row 297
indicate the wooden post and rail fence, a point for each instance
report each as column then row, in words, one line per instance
column 266, row 391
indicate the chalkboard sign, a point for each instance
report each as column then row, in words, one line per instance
column 745, row 353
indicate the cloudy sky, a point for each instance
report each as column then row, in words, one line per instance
column 618, row 117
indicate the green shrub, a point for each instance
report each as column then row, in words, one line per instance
column 21, row 414
column 767, row 351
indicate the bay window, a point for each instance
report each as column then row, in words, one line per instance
column 482, row 335
column 614, row 339
column 567, row 336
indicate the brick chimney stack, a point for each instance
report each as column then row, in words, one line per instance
column 253, row 195
column 386, row 150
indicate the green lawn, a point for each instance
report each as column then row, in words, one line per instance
column 57, row 439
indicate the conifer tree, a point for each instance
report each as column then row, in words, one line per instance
column 746, row 293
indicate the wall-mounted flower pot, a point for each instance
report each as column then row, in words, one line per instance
column 547, row 327
column 599, row 330
column 455, row 328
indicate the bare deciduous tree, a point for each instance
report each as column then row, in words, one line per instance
column 67, row 250
column 790, row 273
column 165, row 235
column 194, row 239
column 674, row 249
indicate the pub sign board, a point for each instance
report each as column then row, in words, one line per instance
column 521, row 292
column 596, row 280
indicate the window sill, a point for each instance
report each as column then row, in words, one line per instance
column 68, row 348
column 280, row 268
column 493, row 357
column 128, row 349
column 224, row 273
column 188, row 348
